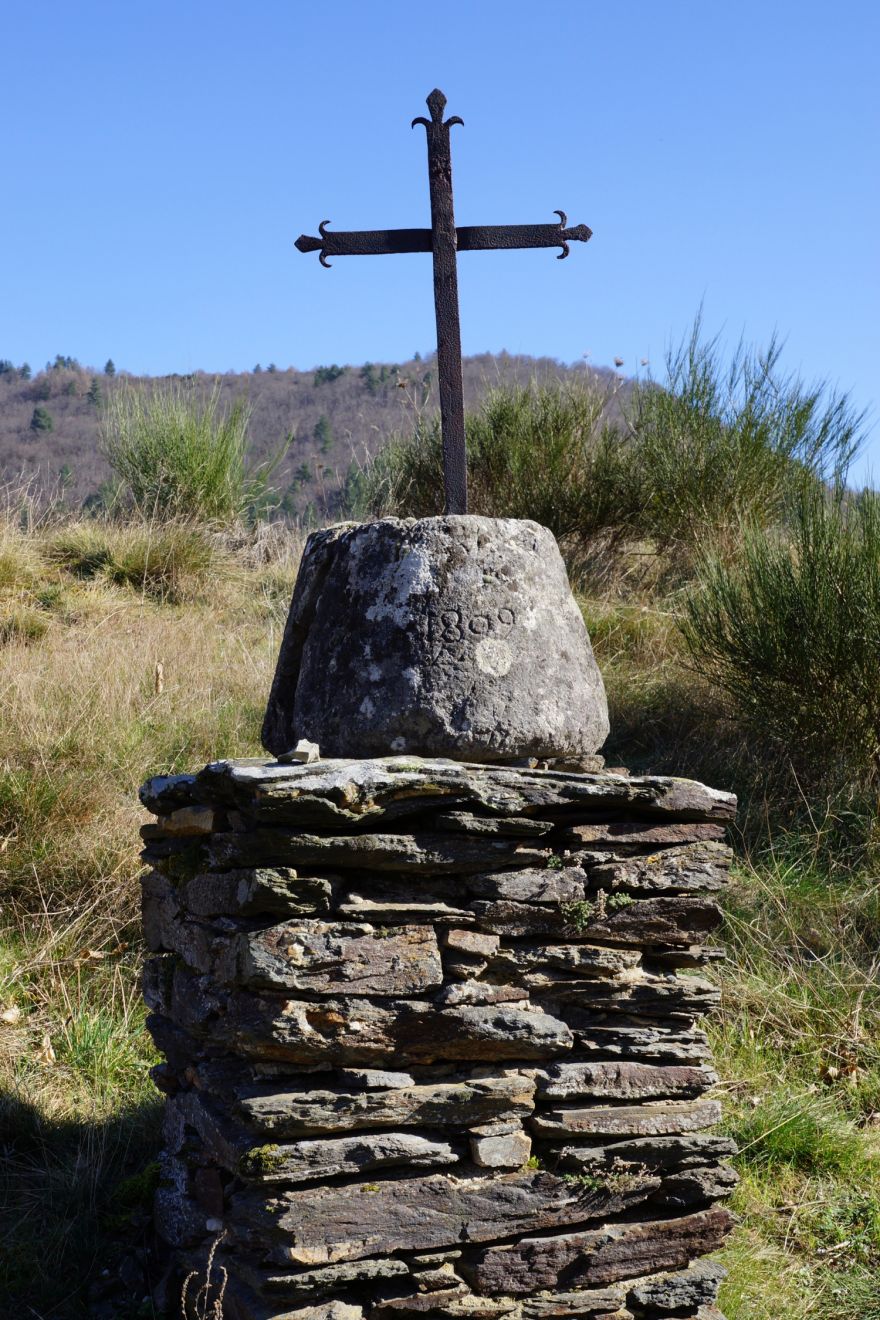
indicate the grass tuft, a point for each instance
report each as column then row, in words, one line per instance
column 181, row 456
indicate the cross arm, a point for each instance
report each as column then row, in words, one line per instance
column 479, row 238
column 469, row 238
column 364, row 243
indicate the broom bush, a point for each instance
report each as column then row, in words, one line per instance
column 181, row 456
column 791, row 631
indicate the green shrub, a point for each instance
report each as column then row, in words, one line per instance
column 720, row 444
column 673, row 466
column 791, row 631
column 182, row 456
column 542, row 452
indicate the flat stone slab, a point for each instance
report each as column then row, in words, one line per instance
column 350, row 1031
column 334, row 794
column 598, row 1256
column 461, row 1104
column 455, row 635
column 651, row 1119
column 323, row 1225
column 623, row 1081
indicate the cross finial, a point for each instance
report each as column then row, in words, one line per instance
column 436, row 103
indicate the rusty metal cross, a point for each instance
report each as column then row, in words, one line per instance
column 444, row 240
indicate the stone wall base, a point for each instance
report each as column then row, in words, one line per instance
column 431, row 1040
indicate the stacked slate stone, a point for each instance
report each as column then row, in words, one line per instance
column 431, row 1039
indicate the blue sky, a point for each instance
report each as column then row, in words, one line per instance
column 159, row 160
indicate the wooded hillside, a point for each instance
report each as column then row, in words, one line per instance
column 339, row 417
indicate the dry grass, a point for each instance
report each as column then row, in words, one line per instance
column 85, row 721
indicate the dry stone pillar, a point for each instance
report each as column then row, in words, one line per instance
column 431, row 1024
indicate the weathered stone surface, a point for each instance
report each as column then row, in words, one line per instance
column 305, row 1161
column 696, row 1187
column 456, row 635
column 456, row 1303
column 318, row 957
column 339, row 957
column 481, row 992
column 445, row 1105
column 676, row 1293
column 542, row 966
column 528, row 885
column 468, row 942
column 374, row 1079
column 642, row 1041
column 646, row 834
column 338, row 793
column 242, row 1303
column 642, row 924
column 426, row 854
column 667, row 1152
column 464, row 822
column 179, row 859
column 514, row 920
column 692, row 867
column 651, row 1119
column 433, row 1302
column 668, row 995
column 472, row 942
column 178, row 1219
column 329, row 1224
column 622, row 1081
column 508, row 1150
column 393, row 900
column 165, row 793
column 160, row 910
column 305, row 1284
column 598, row 1256
column 187, row 821
column 599, row 1302
column 649, row 922
column 255, row 891
column 361, row 1031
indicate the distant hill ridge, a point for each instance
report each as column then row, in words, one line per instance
column 340, row 417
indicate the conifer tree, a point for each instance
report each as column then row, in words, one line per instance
column 41, row 419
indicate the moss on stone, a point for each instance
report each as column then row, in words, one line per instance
column 261, row 1161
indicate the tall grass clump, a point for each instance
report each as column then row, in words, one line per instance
column 791, row 631
column 717, row 444
column 182, row 456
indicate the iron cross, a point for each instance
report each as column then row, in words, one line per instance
column 444, row 240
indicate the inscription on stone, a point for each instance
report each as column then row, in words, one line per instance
column 454, row 636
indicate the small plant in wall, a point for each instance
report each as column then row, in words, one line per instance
column 578, row 915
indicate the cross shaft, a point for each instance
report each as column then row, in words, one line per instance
column 444, row 241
